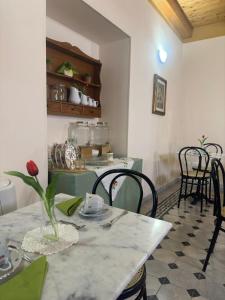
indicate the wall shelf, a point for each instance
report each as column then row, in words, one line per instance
column 58, row 53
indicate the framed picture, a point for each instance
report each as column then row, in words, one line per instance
column 159, row 96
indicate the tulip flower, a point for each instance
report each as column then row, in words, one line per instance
column 32, row 168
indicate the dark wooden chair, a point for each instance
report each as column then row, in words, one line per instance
column 218, row 178
column 193, row 165
column 137, row 286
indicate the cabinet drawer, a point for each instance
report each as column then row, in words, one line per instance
column 92, row 112
column 71, row 109
column 54, row 107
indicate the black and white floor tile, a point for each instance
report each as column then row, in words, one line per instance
column 174, row 271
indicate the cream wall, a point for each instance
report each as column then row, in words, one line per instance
column 152, row 137
column 115, row 58
column 204, row 91
column 58, row 126
column 23, row 122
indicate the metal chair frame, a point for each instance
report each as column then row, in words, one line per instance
column 218, row 150
column 217, row 170
column 187, row 179
column 136, row 176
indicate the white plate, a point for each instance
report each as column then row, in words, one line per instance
column 16, row 256
column 100, row 213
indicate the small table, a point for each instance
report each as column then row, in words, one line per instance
column 78, row 184
column 103, row 262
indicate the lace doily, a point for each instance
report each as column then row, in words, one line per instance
column 34, row 242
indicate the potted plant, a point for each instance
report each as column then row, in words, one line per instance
column 202, row 140
column 67, row 69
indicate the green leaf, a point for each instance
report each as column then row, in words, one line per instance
column 51, row 190
column 28, row 180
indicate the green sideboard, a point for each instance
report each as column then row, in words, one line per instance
column 81, row 183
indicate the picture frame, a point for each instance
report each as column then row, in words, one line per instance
column 159, row 95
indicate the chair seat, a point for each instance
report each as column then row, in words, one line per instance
column 134, row 285
column 195, row 174
column 137, row 277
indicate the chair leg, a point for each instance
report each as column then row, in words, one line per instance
column 206, row 191
column 145, row 293
column 192, row 183
column 201, row 193
column 180, row 195
column 212, row 244
column 186, row 186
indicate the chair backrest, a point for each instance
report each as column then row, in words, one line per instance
column 136, row 176
column 193, row 160
column 218, row 177
column 213, row 148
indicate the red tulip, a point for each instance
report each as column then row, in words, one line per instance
column 32, row 168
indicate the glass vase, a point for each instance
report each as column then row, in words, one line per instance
column 49, row 225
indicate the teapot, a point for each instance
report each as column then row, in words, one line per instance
column 75, row 95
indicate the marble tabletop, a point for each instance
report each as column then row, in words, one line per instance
column 103, row 262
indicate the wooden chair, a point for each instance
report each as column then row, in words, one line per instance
column 218, row 178
column 137, row 286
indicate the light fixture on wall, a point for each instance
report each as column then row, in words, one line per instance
column 162, row 55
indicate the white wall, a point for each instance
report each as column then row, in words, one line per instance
column 204, row 91
column 23, row 126
column 58, row 125
column 115, row 58
column 151, row 137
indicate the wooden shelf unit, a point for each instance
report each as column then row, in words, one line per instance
column 58, row 53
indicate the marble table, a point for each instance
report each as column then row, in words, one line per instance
column 102, row 263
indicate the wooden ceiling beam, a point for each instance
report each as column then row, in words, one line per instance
column 207, row 31
column 171, row 11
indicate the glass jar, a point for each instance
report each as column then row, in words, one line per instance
column 59, row 92
column 79, row 134
column 92, row 134
column 101, row 135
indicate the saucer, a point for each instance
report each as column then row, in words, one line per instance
column 99, row 213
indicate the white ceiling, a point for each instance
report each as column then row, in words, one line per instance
column 84, row 20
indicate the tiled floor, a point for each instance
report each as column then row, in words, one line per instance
column 174, row 271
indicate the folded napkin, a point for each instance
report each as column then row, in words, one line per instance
column 69, row 206
column 27, row 284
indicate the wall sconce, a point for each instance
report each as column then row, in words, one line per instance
column 162, row 55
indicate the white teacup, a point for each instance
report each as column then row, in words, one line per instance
column 93, row 203
column 5, row 263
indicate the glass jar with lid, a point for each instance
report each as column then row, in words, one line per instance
column 101, row 134
column 78, row 134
